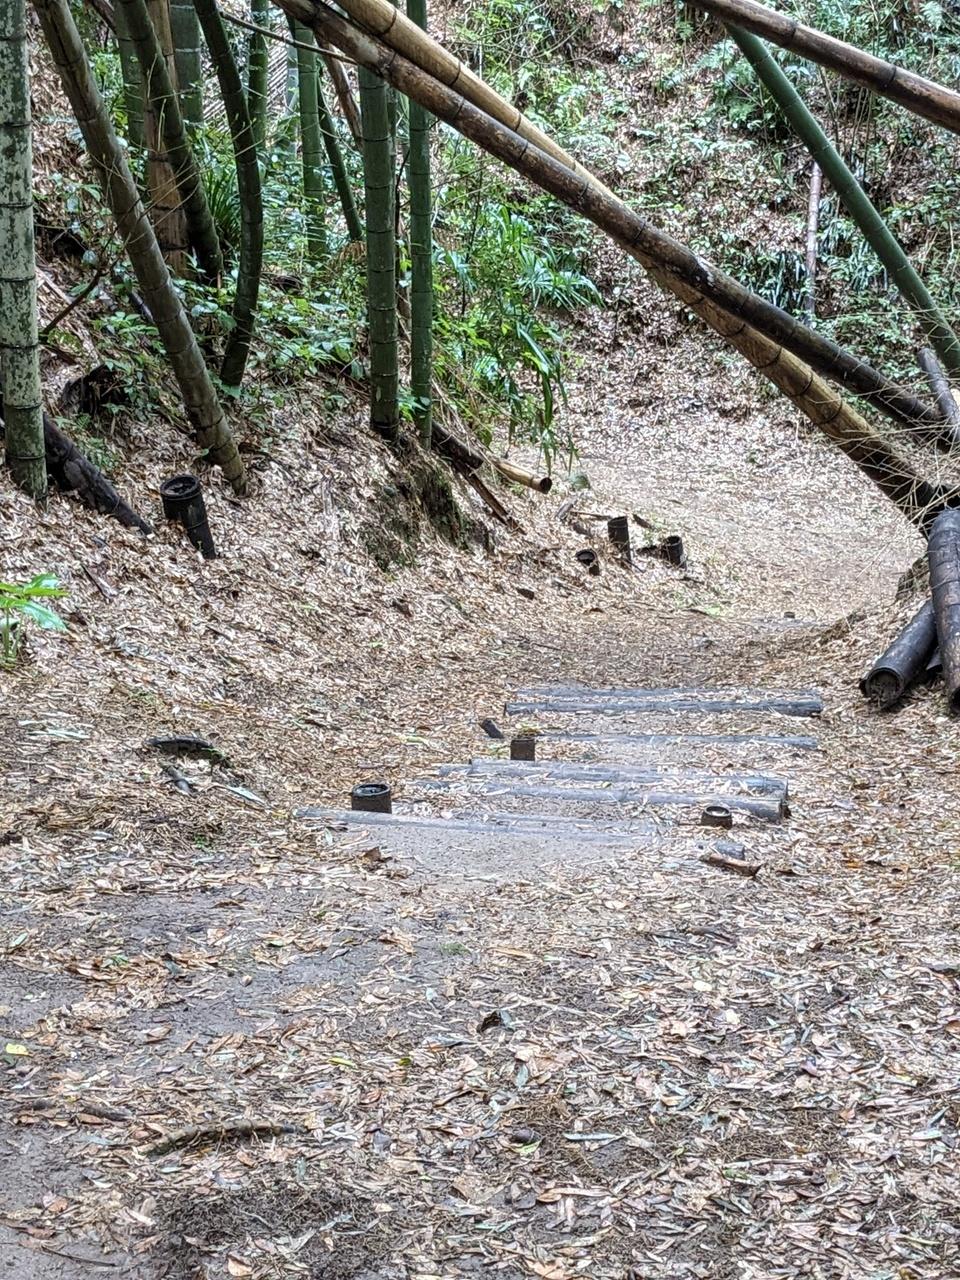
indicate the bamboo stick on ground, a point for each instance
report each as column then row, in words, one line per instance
column 904, row 661
column 542, row 484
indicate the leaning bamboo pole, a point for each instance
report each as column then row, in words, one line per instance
column 922, row 97
column 852, row 196
column 153, row 277
column 893, row 474
column 824, row 356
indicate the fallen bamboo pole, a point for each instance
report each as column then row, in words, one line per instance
column 904, row 661
column 922, row 97
column 542, row 484
column 943, row 392
column 891, row 472
column 943, row 555
column 390, row 27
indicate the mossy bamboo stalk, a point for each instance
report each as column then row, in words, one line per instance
column 258, row 65
column 855, row 200
column 246, row 160
column 311, row 143
column 379, row 179
column 898, row 403
column 920, row 96
column 185, row 30
column 132, row 83
column 421, row 255
column 202, row 405
column 164, row 105
column 341, row 179
column 19, row 352
column 892, row 473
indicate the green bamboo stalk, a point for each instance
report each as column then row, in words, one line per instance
column 855, row 200
column 249, row 189
column 421, row 255
column 258, row 63
column 19, row 350
column 378, row 181
column 153, row 277
column 338, row 169
column 132, row 84
column 188, row 61
column 311, row 143
column 163, row 102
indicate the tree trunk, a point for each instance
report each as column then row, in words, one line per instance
column 896, row 402
column 132, row 84
column 122, row 198
column 338, row 169
column 258, row 66
column 855, row 200
column 311, row 144
column 813, row 225
column 421, row 256
column 892, row 474
column 163, row 107
column 922, row 97
column 185, row 31
column 379, row 189
column 248, row 186
column 19, row 352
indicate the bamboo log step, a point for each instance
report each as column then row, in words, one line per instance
column 647, row 797
column 702, row 704
column 496, row 823
column 788, row 742
column 735, row 783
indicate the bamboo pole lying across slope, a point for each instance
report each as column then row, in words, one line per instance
column 676, row 259
column 922, row 97
column 893, row 474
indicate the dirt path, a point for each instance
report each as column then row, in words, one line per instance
column 543, row 1056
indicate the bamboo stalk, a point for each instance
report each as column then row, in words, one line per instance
column 258, row 66
column 185, row 31
column 943, row 555
column 122, row 198
column 920, row 96
column 854, row 199
column 164, row 107
column 166, row 207
column 542, row 484
column 132, row 85
column 943, row 392
column 892, row 473
column 246, row 161
column 348, row 103
column 825, row 357
column 421, row 256
column 813, row 224
column 379, row 191
column 341, row 179
column 19, row 349
column 310, row 142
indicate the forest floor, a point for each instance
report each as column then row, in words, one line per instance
column 561, row 1064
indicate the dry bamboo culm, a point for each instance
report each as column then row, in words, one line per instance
column 700, row 287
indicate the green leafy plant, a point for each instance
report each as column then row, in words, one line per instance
column 25, row 602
